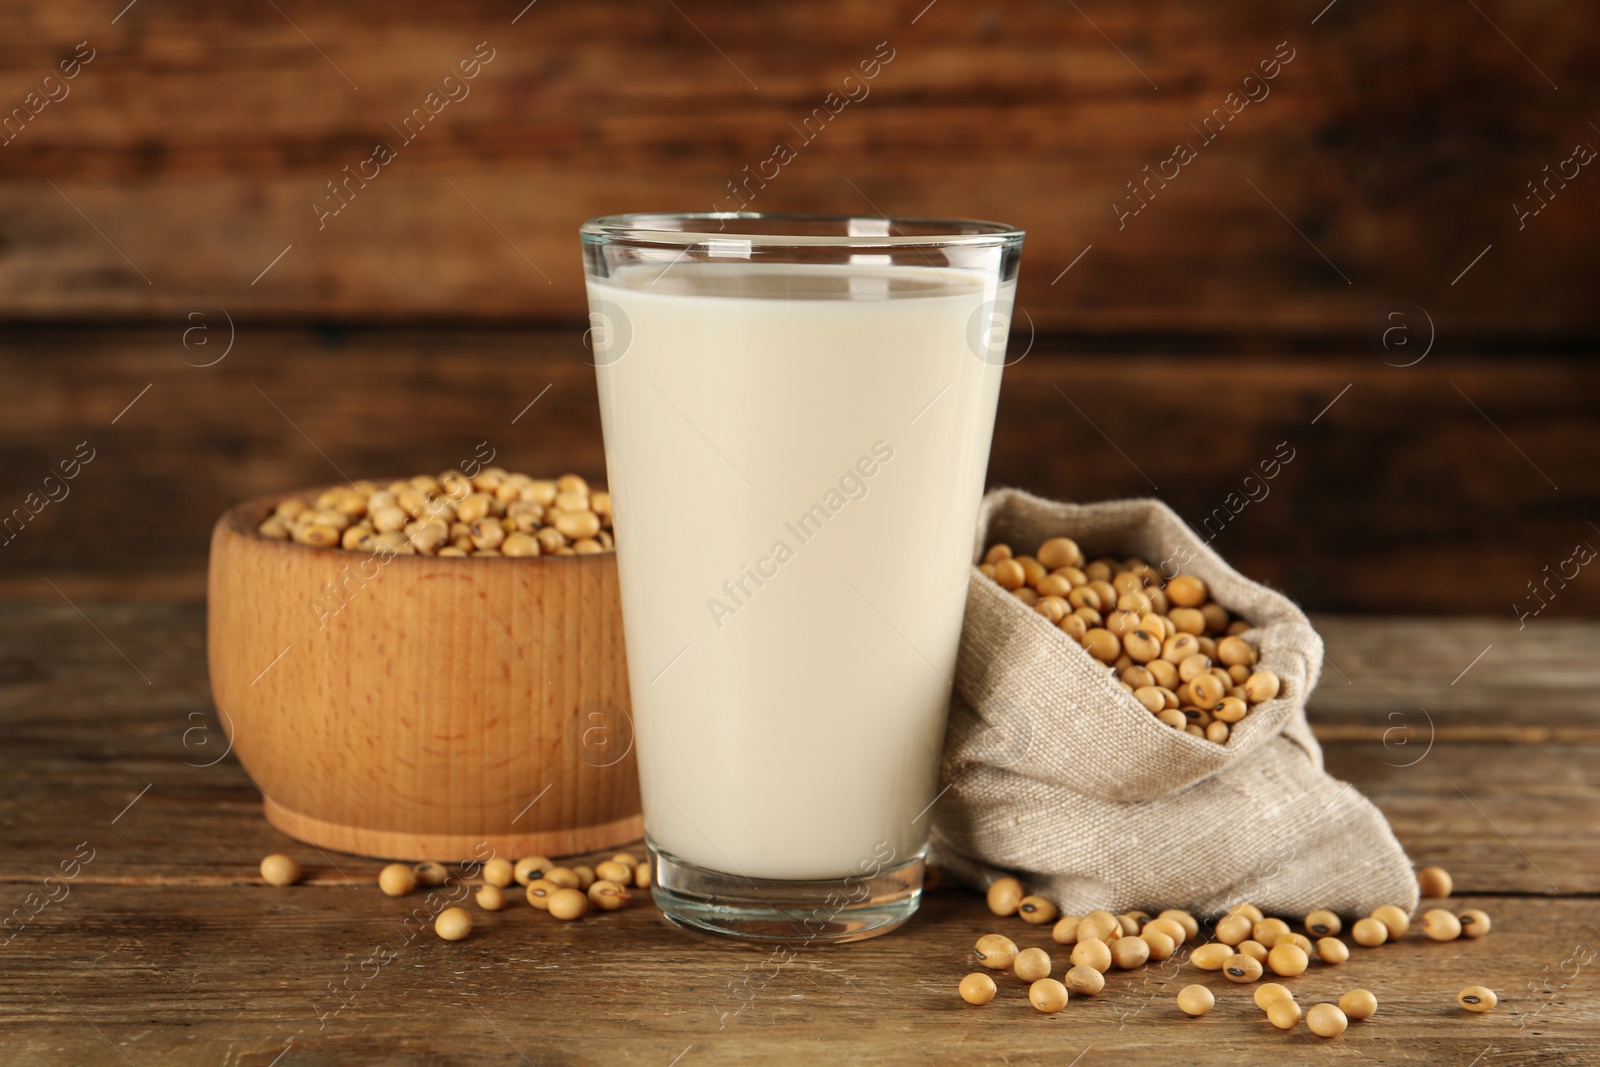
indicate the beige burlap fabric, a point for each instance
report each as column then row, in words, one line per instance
column 1056, row 774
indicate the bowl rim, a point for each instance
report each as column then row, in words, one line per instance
column 241, row 520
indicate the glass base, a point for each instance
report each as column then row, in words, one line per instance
column 832, row 911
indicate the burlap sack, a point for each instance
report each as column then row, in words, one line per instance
column 1053, row 772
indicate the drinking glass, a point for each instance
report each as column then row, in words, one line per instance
column 797, row 414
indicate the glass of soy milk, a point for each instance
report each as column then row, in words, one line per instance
column 797, row 414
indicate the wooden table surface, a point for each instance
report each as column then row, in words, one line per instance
column 166, row 949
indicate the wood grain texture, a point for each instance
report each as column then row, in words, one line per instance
column 1531, row 684
column 240, row 975
column 167, row 949
column 1419, row 490
column 422, row 708
column 1397, row 141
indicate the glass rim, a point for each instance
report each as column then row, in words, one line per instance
column 783, row 229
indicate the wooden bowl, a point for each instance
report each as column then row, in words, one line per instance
column 413, row 707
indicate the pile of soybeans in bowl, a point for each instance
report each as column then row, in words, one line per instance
column 493, row 513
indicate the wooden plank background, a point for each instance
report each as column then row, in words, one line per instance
column 189, row 151
column 1420, row 489
column 167, row 196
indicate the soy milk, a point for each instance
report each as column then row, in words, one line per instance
column 796, row 455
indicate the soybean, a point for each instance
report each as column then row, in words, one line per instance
column 1092, row 952
column 1048, row 995
column 567, row 903
column 1207, row 689
column 539, row 892
column 1332, row 950
column 453, row 924
column 1036, row 910
column 1358, row 1004
column 431, row 874
column 1283, row 1012
column 1031, row 964
column 1162, row 946
column 1477, row 998
column 1326, row 1020
column 1191, row 926
column 1102, row 644
column 977, row 988
column 1085, row 980
column 1186, row 591
column 612, row 871
column 1211, row 957
column 1195, row 1000
column 1261, row 687
column 1254, row 949
column 565, row 877
column 1233, row 929
column 1005, row 896
column 490, row 897
column 1236, row 651
column 1267, row 992
column 499, row 872
column 1009, row 573
column 1435, row 882
column 1369, row 932
column 1323, row 923
column 278, row 869
column 1474, row 923
column 1241, row 968
column 1065, row 931
column 1100, row 925
column 1296, row 939
column 1287, row 959
column 1059, row 552
column 1268, row 931
column 1141, row 646
column 529, row 868
column 396, row 880
column 996, row 951
column 607, row 895
column 1130, row 952
column 1441, row 925
column 1394, row 919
